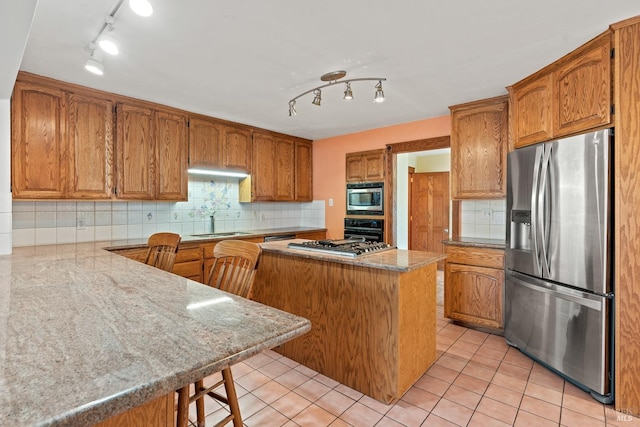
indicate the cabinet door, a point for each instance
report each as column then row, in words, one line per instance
column 171, row 143
column 91, row 154
column 264, row 161
column 237, row 148
column 135, row 153
column 205, row 143
column 354, row 167
column 304, row 171
column 38, row 142
column 474, row 294
column 583, row 86
column 532, row 105
column 479, row 149
column 284, row 168
column 374, row 166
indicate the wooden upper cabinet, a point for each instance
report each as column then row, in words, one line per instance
column 263, row 175
column 284, row 166
column 532, row 110
column 39, row 115
column 570, row 96
column 237, row 148
column 304, row 171
column 205, row 143
column 171, row 135
column 583, row 88
column 91, row 156
column 135, row 152
column 479, row 132
column 365, row 166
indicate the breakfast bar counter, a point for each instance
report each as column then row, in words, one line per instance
column 86, row 334
column 373, row 316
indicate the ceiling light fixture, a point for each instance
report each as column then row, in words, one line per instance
column 141, row 7
column 333, row 78
column 108, row 42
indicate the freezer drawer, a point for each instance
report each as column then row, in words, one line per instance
column 563, row 328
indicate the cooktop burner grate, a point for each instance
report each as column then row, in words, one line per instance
column 345, row 247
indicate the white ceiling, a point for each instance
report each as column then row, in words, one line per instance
column 243, row 60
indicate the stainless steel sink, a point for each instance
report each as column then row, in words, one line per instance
column 231, row 233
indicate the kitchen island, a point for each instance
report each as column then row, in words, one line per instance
column 373, row 316
column 86, row 335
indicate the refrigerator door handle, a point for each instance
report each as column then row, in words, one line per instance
column 535, row 225
column 543, row 214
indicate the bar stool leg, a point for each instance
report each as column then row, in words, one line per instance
column 182, row 418
column 199, row 386
column 232, row 397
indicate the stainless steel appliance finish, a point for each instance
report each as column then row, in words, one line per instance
column 345, row 247
column 365, row 198
column 558, row 291
column 371, row 230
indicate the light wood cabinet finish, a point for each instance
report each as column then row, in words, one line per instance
column 91, row 156
column 237, row 148
column 39, row 125
column 171, row 136
column 285, row 169
column 136, row 148
column 365, row 166
column 474, row 286
column 570, row 96
column 627, row 222
column 303, row 171
column 532, row 111
column 156, row 413
column 264, row 174
column 372, row 330
column 479, row 133
column 205, row 143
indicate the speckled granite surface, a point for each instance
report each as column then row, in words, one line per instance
column 85, row 334
column 394, row 259
column 476, row 242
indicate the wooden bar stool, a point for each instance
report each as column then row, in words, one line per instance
column 163, row 248
column 233, row 271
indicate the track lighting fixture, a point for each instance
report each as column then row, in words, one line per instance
column 332, row 78
column 106, row 40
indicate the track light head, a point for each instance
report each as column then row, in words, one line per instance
column 379, row 96
column 292, row 108
column 141, row 7
column 348, row 95
column 94, row 66
column 318, row 97
column 109, row 44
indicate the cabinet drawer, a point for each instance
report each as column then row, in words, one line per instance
column 134, row 254
column 188, row 269
column 483, row 257
column 188, row 254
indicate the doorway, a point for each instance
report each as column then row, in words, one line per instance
column 428, row 211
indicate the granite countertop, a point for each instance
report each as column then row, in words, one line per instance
column 475, row 242
column 86, row 334
column 393, row 259
column 202, row 238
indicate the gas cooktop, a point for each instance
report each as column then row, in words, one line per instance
column 345, row 247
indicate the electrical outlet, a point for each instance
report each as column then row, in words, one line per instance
column 330, row 202
column 487, row 213
column 81, row 224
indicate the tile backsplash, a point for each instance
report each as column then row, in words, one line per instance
column 41, row 223
column 484, row 219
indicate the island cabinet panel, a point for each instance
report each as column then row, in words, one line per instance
column 156, row 413
column 171, row 136
column 39, row 123
column 91, row 156
column 474, row 286
column 205, row 143
column 372, row 329
column 135, row 152
column 479, row 132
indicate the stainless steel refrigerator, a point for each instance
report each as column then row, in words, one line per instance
column 558, row 290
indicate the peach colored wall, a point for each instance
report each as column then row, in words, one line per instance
column 329, row 161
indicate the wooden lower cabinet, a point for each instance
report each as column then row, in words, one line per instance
column 474, row 286
column 156, row 413
column 312, row 235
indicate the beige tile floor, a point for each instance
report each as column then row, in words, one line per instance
column 477, row 380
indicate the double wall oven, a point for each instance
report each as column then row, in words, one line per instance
column 365, row 199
